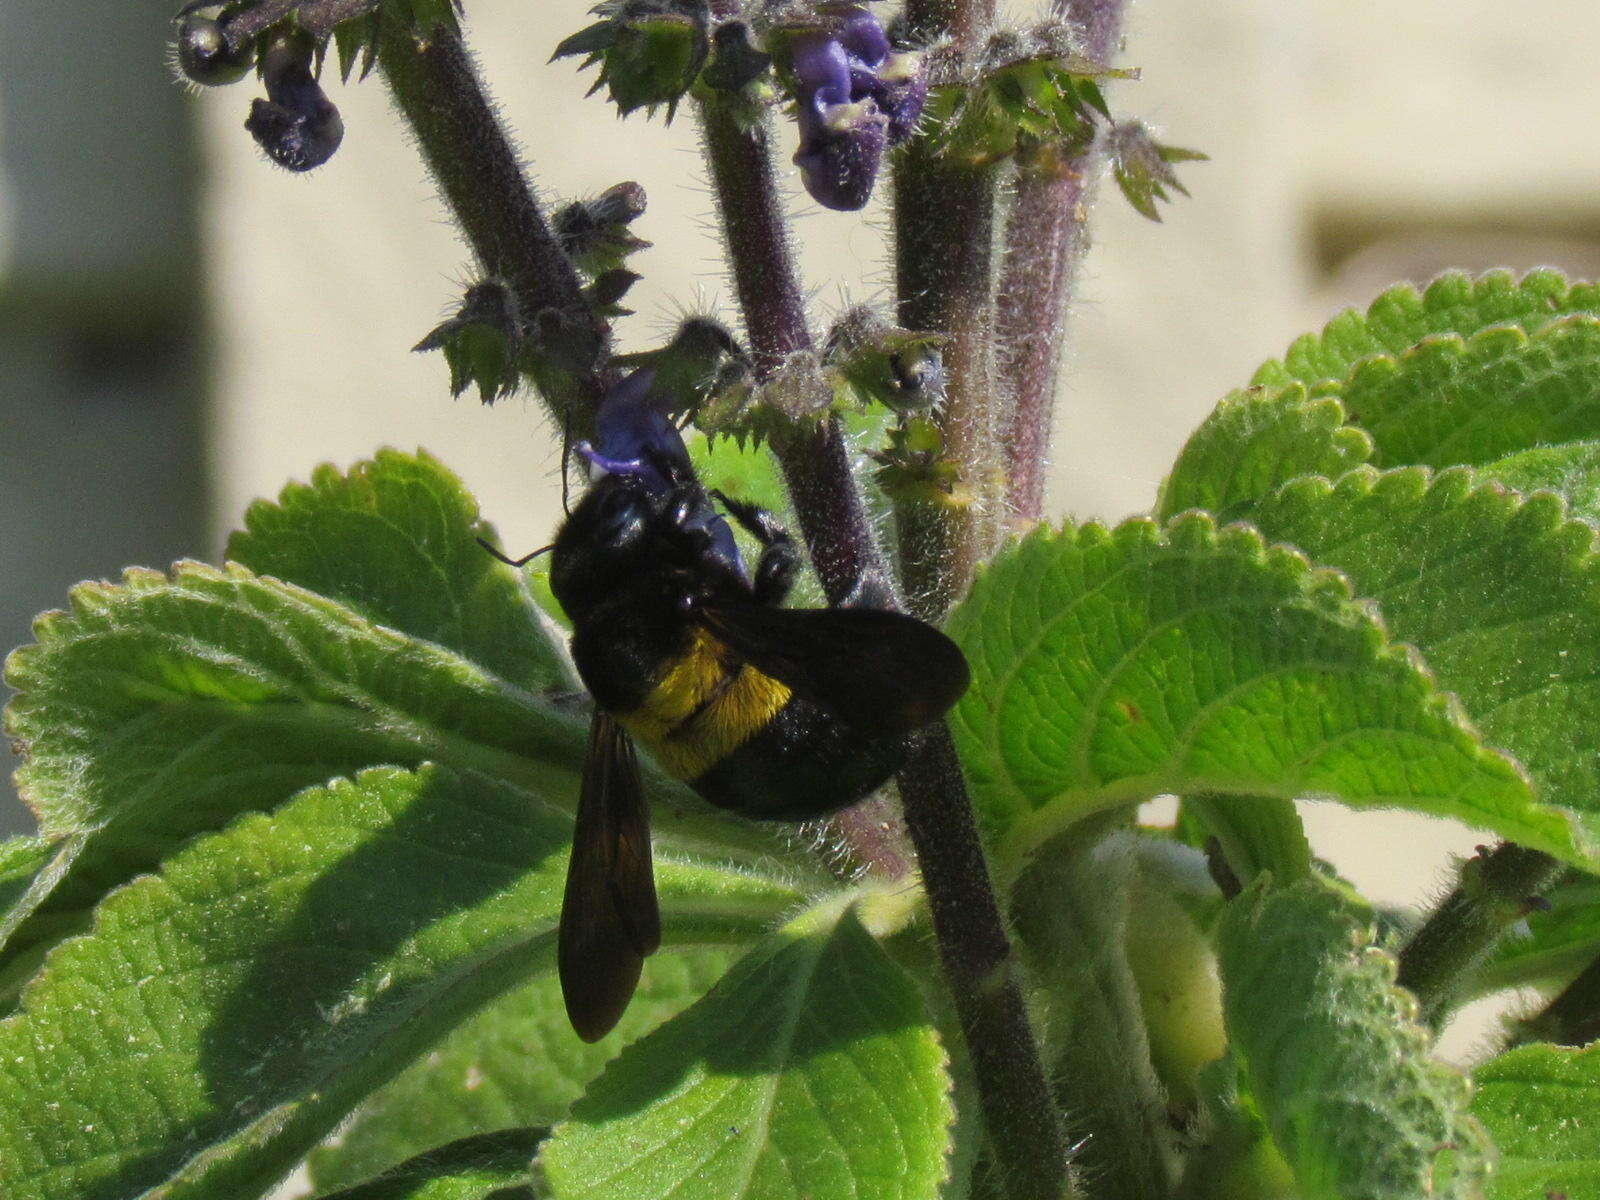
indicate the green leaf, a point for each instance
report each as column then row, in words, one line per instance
column 1330, row 1052
column 1549, row 946
column 1255, row 834
column 468, row 1169
column 1499, row 593
column 1541, row 1104
column 480, row 1078
column 810, row 1071
column 30, row 869
column 22, row 861
column 1571, row 470
column 1111, row 666
column 395, row 539
column 226, row 1014
column 1451, row 401
column 167, row 706
column 1402, row 317
column 1255, row 440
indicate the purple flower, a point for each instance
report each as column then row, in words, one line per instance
column 856, row 97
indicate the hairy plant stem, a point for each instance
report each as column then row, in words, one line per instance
column 1072, row 918
column 1045, row 237
column 1496, row 889
column 1572, row 1018
column 944, row 233
column 1027, row 1142
column 944, row 283
column 316, row 17
column 815, row 461
column 437, row 90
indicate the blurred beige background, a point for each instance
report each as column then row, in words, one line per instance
column 1353, row 143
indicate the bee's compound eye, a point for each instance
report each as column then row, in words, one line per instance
column 205, row 55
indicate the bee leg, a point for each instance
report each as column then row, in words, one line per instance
column 780, row 562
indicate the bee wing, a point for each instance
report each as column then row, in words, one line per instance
column 610, row 921
column 882, row 672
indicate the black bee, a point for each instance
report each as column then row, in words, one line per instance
column 775, row 713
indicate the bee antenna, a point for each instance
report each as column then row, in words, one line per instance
column 566, row 453
column 513, row 562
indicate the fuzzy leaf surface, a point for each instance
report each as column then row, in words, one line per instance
column 22, row 861
column 1500, row 594
column 223, row 1016
column 479, row 1078
column 1451, row 401
column 1330, row 1052
column 1111, row 666
column 811, row 1071
column 1255, row 440
column 168, row 705
column 395, row 539
column 1403, row 316
column 1541, row 1105
column 1571, row 470
column 474, row 1168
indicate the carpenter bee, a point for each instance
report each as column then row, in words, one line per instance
column 775, row 713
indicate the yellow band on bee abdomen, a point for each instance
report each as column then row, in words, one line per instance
column 696, row 715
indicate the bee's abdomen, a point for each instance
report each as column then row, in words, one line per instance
column 803, row 763
column 702, row 707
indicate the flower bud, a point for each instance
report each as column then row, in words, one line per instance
column 297, row 125
column 206, row 57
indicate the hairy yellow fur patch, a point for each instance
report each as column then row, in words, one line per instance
column 705, row 706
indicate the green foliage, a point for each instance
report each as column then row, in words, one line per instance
column 1553, row 943
column 367, row 536
column 1450, row 400
column 1110, row 666
column 1571, row 470
column 481, row 342
column 1400, row 318
column 1539, row 1103
column 479, row 1077
column 470, row 1169
column 746, row 1094
column 1142, row 167
column 1328, row 1048
column 649, row 51
column 235, row 1006
column 1499, row 594
column 305, row 818
column 1255, row 440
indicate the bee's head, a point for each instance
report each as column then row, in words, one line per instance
column 608, row 540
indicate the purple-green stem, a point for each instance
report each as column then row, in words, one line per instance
column 944, row 283
column 437, row 90
column 460, row 137
column 1028, row 1145
column 1044, row 241
column 1495, row 891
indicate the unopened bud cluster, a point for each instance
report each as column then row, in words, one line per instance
column 295, row 124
